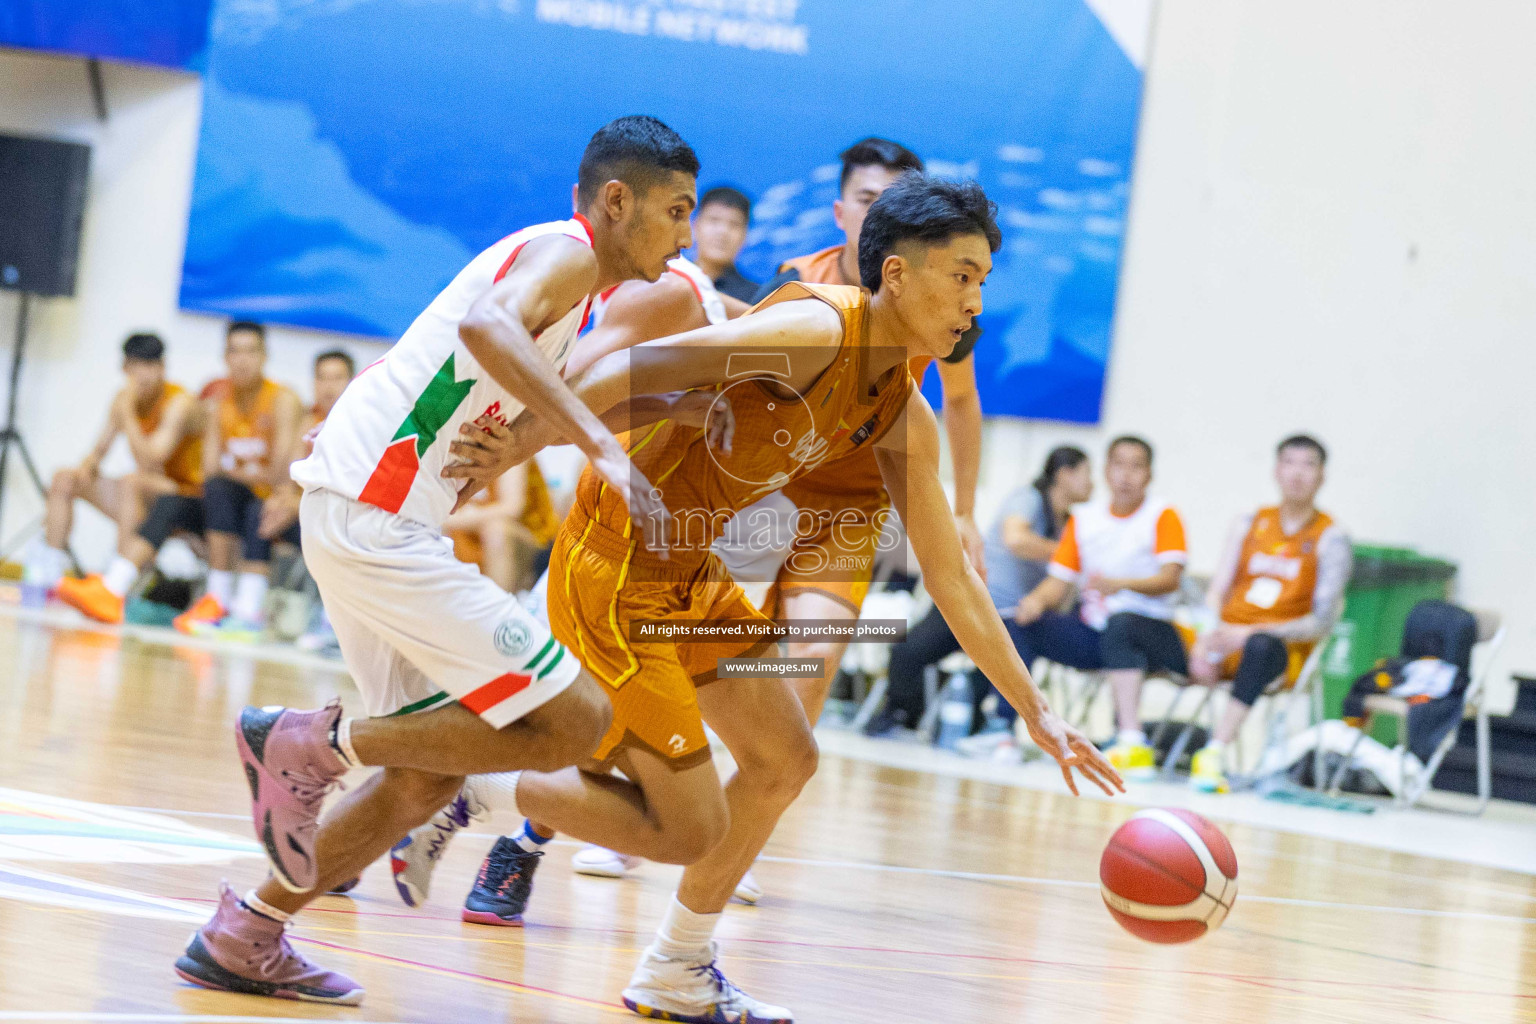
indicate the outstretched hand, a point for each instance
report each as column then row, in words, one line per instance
column 1072, row 749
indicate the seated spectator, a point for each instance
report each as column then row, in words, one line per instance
column 720, row 231
column 514, row 512
column 1126, row 558
column 163, row 426
column 1020, row 542
column 248, row 418
column 253, row 430
column 1278, row 589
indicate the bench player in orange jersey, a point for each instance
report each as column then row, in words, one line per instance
column 164, row 429
column 813, row 373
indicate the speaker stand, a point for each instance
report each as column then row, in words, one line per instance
column 10, row 436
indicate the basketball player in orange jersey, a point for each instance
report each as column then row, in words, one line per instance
column 683, row 299
column 836, row 382
column 164, row 429
column 826, row 575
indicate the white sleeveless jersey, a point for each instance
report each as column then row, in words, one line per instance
column 703, row 288
column 386, row 441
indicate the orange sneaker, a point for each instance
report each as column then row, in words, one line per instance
column 205, row 609
column 92, row 598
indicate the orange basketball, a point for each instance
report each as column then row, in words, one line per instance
column 1168, row 876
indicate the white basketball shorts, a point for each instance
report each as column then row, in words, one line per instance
column 419, row 628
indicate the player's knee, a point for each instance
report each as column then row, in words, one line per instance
column 690, row 841
column 573, row 724
column 782, row 768
column 593, row 713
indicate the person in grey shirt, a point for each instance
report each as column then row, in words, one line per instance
column 1018, row 545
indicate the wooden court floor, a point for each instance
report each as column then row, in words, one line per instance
column 892, row 896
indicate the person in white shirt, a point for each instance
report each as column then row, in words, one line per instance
column 1126, row 559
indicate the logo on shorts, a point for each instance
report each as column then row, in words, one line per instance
column 513, row 638
column 677, row 743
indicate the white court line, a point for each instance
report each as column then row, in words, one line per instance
column 978, row 876
column 157, row 1018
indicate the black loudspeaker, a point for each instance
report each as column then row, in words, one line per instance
column 42, row 199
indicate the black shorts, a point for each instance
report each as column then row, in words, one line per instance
column 232, row 507
column 172, row 513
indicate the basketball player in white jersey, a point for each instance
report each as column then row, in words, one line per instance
column 456, row 677
column 626, row 315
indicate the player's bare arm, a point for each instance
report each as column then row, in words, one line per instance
column 639, row 311
column 213, row 438
column 1164, row 581
column 962, row 425
column 550, row 276
column 91, row 464
column 800, row 335
column 152, row 449
column 909, row 457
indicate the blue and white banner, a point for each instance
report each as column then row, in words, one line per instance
column 356, row 153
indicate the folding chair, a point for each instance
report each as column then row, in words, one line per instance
column 1490, row 637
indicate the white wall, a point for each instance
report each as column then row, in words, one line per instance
column 129, row 271
column 1332, row 229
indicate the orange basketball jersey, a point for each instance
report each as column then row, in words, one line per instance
column 185, row 463
column 1276, row 573
column 249, row 434
column 778, row 439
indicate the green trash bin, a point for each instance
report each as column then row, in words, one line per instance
column 1386, row 584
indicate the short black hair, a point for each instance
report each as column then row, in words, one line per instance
column 337, row 353
column 1139, row 442
column 255, row 328
column 637, row 150
column 920, row 207
column 1306, row 441
column 877, row 152
column 145, row 347
column 725, row 195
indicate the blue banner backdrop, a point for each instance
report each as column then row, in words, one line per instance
column 167, row 32
column 356, row 153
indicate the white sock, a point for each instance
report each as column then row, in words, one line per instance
column 254, row 904
column 497, row 792
column 120, row 575
column 47, row 566
column 221, row 584
column 1131, row 737
column 250, row 595
column 343, row 744
column 684, row 934
column 528, row 840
